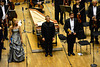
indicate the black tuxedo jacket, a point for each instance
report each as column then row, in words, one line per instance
column 71, row 38
column 90, row 15
column 1, row 13
column 48, row 30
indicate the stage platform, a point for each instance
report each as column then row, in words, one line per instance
column 32, row 38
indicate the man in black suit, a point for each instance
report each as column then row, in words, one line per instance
column 71, row 28
column 93, row 14
column 3, row 10
column 48, row 32
column 57, row 10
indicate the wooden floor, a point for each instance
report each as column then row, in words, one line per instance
column 59, row 59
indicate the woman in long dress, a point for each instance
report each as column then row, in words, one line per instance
column 16, row 53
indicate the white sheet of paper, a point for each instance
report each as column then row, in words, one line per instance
column 19, row 23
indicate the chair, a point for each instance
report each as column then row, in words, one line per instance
column 81, row 36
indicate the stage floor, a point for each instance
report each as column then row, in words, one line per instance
column 34, row 47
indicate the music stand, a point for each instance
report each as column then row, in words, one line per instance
column 65, row 8
column 94, row 34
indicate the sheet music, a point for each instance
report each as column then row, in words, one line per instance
column 19, row 23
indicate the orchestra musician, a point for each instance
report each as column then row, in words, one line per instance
column 48, row 32
column 4, row 9
column 71, row 28
column 79, row 13
column 37, row 2
column 57, row 10
column 93, row 14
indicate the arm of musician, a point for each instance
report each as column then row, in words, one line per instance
column 52, row 2
column 53, row 31
column 66, row 27
column 1, row 34
column 10, row 33
column 74, row 10
column 43, row 31
column 20, row 34
column 89, row 13
column 77, row 27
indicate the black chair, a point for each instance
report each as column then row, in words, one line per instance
column 81, row 36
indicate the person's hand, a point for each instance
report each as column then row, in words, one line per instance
column 53, row 38
column 74, row 33
column 43, row 39
column 69, row 33
column 78, row 13
column 10, row 41
column 1, row 40
column 2, row 21
column 0, row 28
column 52, row 4
column 6, row 16
column 22, row 41
column 93, row 17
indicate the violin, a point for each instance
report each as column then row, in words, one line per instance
column 79, row 15
column 79, row 18
column 94, row 23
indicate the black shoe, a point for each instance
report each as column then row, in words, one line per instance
column 97, row 42
column 51, row 54
column 4, row 48
column 68, row 54
column 61, row 23
column 6, row 38
column 91, row 41
column 73, row 54
column 46, row 55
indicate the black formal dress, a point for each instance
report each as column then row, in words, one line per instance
column 5, row 25
column 48, row 32
column 90, row 15
column 57, row 10
column 82, row 13
column 71, row 38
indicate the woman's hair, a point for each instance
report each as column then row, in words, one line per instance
column 13, row 22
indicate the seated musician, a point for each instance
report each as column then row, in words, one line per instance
column 3, row 9
column 79, row 13
column 71, row 28
column 48, row 32
column 37, row 2
column 93, row 14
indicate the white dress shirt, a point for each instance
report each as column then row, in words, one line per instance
column 3, row 10
column 94, row 10
column 6, row 2
column 38, row 0
column 72, row 25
